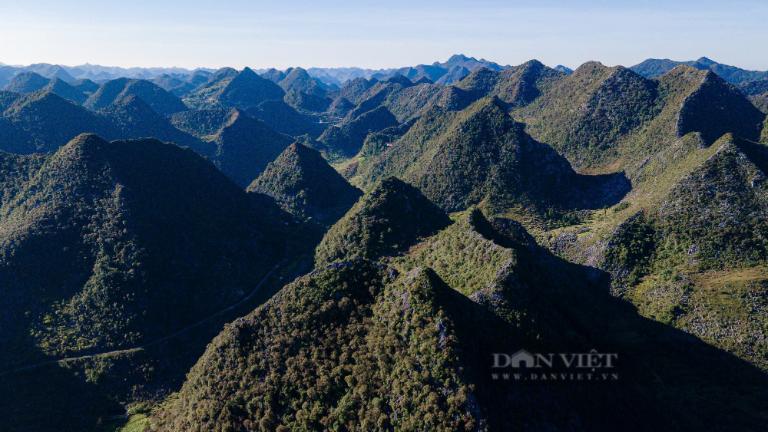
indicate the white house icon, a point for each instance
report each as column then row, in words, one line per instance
column 523, row 358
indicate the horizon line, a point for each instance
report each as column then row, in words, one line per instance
column 364, row 68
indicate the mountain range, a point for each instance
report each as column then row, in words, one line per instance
column 347, row 249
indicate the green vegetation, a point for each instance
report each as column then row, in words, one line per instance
column 712, row 220
column 584, row 114
column 765, row 131
column 481, row 156
column 346, row 139
column 121, row 261
column 517, row 86
column 303, row 184
column 160, row 100
column 384, row 221
column 108, row 246
column 229, row 88
column 304, row 92
column 630, row 251
column 43, row 121
column 136, row 423
column 715, row 108
column 26, row 82
column 244, row 146
column 382, row 353
column 460, row 255
column 393, row 350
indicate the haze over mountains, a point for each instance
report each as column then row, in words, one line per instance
column 347, row 249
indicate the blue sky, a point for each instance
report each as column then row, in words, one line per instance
column 376, row 34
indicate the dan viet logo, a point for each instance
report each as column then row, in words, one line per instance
column 545, row 367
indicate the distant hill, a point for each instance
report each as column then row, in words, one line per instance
column 285, row 119
column 201, row 123
column 303, row 184
column 452, row 70
column 346, row 139
column 652, row 68
column 182, row 84
column 238, row 144
column 481, row 155
column 517, row 86
column 134, row 118
column 44, row 121
column 67, row 91
column 26, row 82
column 157, row 98
column 596, row 114
column 243, row 147
column 229, row 88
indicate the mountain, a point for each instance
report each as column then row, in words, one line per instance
column 731, row 111
column 112, row 246
column 757, row 91
column 408, row 102
column 201, row 123
column 481, row 155
column 67, row 91
column 243, row 147
column 122, row 226
column 205, row 94
column 307, row 102
column 454, row 69
column 134, row 118
column 755, row 87
column 387, row 220
column 353, row 90
column 564, row 69
column 51, row 71
column 44, row 121
column 346, row 139
column 426, row 249
column 285, row 119
column 26, row 82
column 108, row 73
column 599, row 115
column 6, row 74
column 698, row 261
column 242, row 90
column 517, row 86
column 274, row 75
column 764, row 136
column 454, row 74
column 303, row 184
column 675, row 270
column 298, row 80
column 652, row 68
column 339, row 76
column 340, row 107
column 86, row 86
column 397, row 346
column 180, row 84
column 7, row 99
column 158, row 99
column 584, row 113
